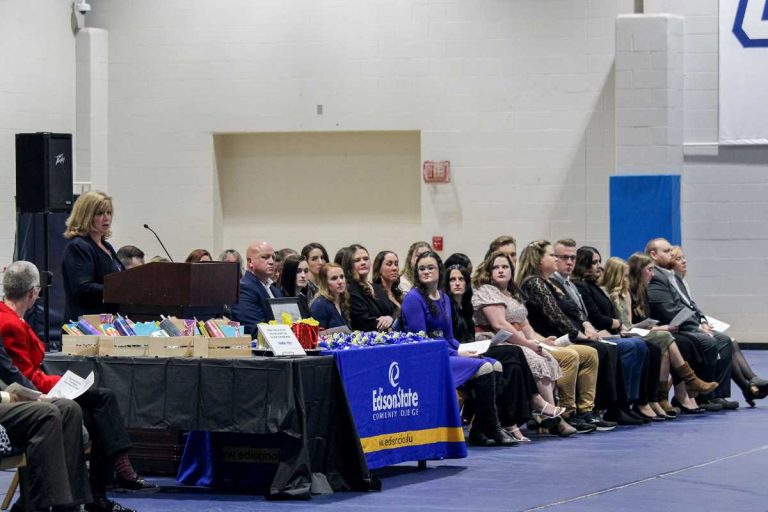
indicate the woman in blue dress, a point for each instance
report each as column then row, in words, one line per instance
column 426, row 308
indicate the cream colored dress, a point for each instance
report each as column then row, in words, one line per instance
column 542, row 366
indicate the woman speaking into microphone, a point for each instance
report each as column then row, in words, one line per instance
column 88, row 257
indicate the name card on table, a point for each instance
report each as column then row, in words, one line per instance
column 280, row 339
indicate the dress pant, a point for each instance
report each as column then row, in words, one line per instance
column 104, row 422
column 576, row 388
column 51, row 434
column 649, row 381
column 609, row 391
column 516, row 385
column 717, row 353
column 633, row 353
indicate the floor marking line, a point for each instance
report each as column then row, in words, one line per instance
column 648, row 479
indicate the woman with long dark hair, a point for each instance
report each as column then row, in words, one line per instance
column 294, row 279
column 371, row 309
column 386, row 273
column 316, row 257
column 427, row 308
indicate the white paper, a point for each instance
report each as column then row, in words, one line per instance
column 645, row 324
column 549, row 348
column 640, row 332
column 23, row 391
column 563, row 341
column 500, row 337
column 601, row 340
column 281, row 340
column 71, row 386
column 478, row 347
column 717, row 325
column 681, row 317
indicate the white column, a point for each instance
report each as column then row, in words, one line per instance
column 92, row 100
column 649, row 94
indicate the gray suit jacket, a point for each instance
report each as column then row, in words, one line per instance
column 666, row 301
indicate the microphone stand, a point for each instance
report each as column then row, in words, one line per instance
column 161, row 242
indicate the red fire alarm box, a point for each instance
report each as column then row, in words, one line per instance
column 436, row 172
column 437, row 243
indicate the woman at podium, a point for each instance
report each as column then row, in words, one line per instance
column 88, row 257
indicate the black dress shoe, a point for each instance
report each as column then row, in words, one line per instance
column 622, row 418
column 138, row 485
column 647, row 419
column 687, row 410
column 477, row 438
column 727, row 405
column 642, row 417
column 709, row 405
column 105, row 505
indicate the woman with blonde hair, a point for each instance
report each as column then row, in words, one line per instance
column 628, row 283
column 88, row 257
column 330, row 306
column 414, row 251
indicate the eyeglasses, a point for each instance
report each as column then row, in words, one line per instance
column 565, row 257
column 428, row 268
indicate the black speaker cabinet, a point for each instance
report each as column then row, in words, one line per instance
column 43, row 172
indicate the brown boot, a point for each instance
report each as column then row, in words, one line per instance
column 662, row 397
column 693, row 384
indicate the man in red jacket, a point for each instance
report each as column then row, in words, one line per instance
column 101, row 414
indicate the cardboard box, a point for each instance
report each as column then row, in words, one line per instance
column 225, row 348
column 129, row 346
column 177, row 346
column 80, row 345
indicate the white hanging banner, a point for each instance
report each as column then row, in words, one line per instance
column 744, row 72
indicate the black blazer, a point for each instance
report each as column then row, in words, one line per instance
column 253, row 307
column 83, row 268
column 365, row 309
column 600, row 309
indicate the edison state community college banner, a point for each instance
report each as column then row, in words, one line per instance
column 403, row 401
column 744, row 71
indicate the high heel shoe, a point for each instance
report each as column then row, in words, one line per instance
column 555, row 412
column 761, row 385
column 645, row 417
column 515, row 432
column 687, row 410
column 750, row 394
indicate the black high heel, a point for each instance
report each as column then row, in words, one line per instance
column 751, row 393
column 687, row 410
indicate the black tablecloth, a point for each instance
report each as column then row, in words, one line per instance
column 301, row 398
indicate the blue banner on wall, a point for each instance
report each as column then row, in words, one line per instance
column 642, row 208
column 403, row 401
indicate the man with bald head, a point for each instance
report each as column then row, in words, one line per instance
column 668, row 297
column 256, row 287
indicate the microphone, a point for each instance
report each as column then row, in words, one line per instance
column 161, row 242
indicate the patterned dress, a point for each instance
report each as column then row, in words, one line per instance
column 542, row 366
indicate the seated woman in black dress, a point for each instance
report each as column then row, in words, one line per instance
column 88, row 257
column 386, row 273
column 330, row 306
column 370, row 309
column 316, row 257
column 519, row 394
column 294, row 279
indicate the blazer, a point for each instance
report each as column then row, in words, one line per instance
column 600, row 309
column 252, row 306
column 364, row 309
column 23, row 352
column 326, row 314
column 666, row 302
column 83, row 268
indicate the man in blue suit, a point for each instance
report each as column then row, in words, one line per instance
column 256, row 287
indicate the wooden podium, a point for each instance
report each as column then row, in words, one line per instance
column 184, row 290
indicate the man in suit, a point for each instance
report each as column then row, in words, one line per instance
column 256, row 287
column 667, row 296
column 50, row 433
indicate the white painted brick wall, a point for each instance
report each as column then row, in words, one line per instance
column 37, row 88
column 518, row 95
column 649, row 101
column 724, row 191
